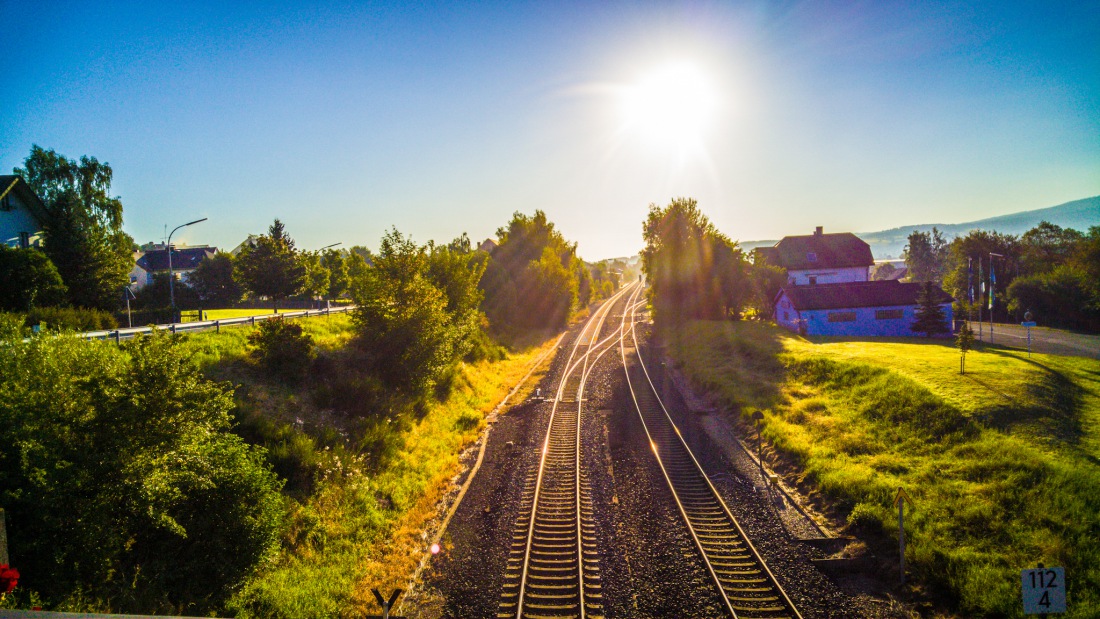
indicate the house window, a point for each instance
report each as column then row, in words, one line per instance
column 24, row 239
column 811, row 257
column 891, row 314
column 5, row 203
column 786, row 317
column 842, row 316
column 813, row 279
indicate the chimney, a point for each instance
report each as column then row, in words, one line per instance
column 818, row 231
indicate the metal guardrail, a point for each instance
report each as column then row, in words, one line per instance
column 205, row 325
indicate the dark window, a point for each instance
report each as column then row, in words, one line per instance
column 893, row 314
column 842, row 316
column 24, row 240
column 813, row 279
column 5, row 204
column 786, row 316
column 812, row 257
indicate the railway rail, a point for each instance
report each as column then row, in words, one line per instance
column 553, row 564
column 748, row 588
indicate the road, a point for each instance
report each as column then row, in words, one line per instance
column 1043, row 340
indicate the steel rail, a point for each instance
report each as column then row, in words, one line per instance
column 550, row 597
column 747, row 587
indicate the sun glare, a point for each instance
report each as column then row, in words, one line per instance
column 672, row 105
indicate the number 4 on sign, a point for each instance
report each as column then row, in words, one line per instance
column 1044, row 590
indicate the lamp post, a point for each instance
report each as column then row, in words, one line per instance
column 171, row 275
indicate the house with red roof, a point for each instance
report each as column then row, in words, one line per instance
column 829, row 291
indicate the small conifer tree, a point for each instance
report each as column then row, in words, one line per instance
column 965, row 341
column 931, row 319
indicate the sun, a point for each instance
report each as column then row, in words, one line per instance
column 673, row 105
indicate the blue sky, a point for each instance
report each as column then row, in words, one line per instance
column 346, row 119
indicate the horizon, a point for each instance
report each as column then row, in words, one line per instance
column 345, row 121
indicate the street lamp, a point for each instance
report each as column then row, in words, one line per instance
column 328, row 246
column 171, row 276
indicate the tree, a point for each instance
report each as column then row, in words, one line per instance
column 1046, row 246
column 969, row 259
column 406, row 335
column 930, row 317
column 926, row 256
column 213, row 281
column 965, row 341
column 337, row 266
column 532, row 279
column 27, row 280
column 883, row 271
column 766, row 280
column 694, row 271
column 316, row 281
column 270, row 268
column 83, row 227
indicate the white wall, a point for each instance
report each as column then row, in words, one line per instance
column 828, row 276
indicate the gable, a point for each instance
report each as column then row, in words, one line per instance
column 820, row 251
column 15, row 192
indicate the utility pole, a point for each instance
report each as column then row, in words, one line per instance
column 171, row 275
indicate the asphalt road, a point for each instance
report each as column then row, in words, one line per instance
column 1043, row 340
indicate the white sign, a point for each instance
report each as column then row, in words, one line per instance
column 1044, row 590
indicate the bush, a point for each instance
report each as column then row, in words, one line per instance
column 282, row 349
column 123, row 486
column 71, row 318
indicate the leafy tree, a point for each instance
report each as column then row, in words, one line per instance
column 694, row 271
column 766, row 280
column 270, row 268
column 532, row 279
column 926, row 256
column 456, row 270
column 1046, row 246
column 1063, row 297
column 930, row 317
column 974, row 249
column 965, row 341
column 83, row 228
column 120, row 473
column 213, row 281
column 405, row 333
column 883, row 271
column 28, row 279
column 337, row 266
column 156, row 295
column 316, row 281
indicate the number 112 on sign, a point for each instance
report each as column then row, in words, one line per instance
column 1044, row 590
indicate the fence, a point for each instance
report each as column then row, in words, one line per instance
column 206, row 325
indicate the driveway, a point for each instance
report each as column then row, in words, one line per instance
column 1044, row 340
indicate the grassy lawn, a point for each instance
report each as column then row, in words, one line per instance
column 1002, row 462
column 222, row 314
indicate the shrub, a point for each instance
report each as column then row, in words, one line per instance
column 120, row 474
column 283, row 349
column 71, row 318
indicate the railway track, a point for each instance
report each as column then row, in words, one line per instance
column 553, row 563
column 748, row 588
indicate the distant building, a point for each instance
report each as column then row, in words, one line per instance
column 151, row 261
column 883, row 308
column 22, row 213
column 829, row 291
column 821, row 258
column 488, row 246
column 250, row 241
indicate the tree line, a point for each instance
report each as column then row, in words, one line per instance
column 1051, row 271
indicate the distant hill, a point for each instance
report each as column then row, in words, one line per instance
column 1079, row 215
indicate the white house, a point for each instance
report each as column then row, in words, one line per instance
column 22, row 213
column 821, row 258
column 152, row 261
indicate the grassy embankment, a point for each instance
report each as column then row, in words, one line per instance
column 353, row 524
column 1002, row 462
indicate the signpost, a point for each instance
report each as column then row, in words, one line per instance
column 1044, row 590
column 386, row 605
column 758, row 418
column 1029, row 325
column 900, row 500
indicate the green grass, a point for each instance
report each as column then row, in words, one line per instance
column 1002, row 462
column 222, row 314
